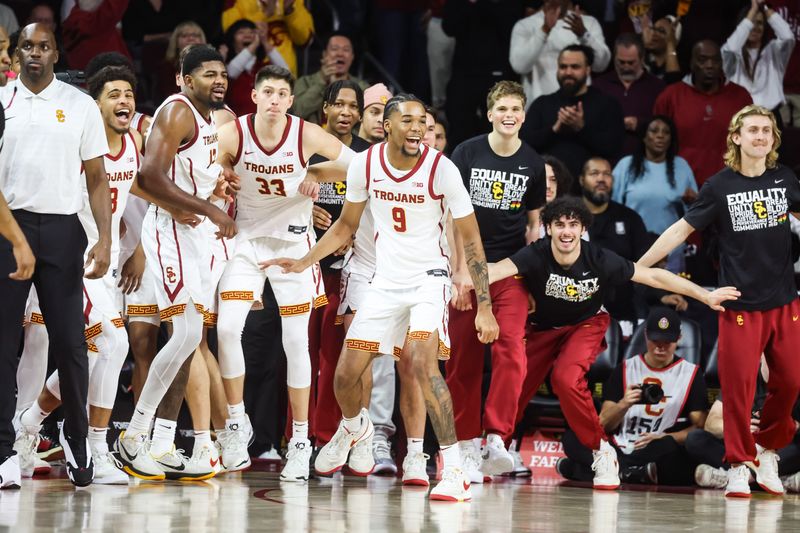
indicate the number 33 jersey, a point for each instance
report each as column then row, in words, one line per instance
column 409, row 208
column 269, row 204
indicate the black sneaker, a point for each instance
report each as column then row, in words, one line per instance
column 80, row 467
column 640, row 474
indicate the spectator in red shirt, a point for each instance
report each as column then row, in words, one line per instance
column 91, row 28
column 701, row 106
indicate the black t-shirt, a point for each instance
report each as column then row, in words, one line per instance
column 502, row 190
column 621, row 230
column 331, row 197
column 569, row 296
column 750, row 216
column 696, row 400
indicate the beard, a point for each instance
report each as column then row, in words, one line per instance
column 573, row 88
column 216, row 105
column 597, row 198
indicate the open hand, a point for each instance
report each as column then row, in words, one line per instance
column 715, row 298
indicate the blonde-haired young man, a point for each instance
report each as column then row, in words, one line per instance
column 749, row 202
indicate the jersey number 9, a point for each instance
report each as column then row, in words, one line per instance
column 399, row 217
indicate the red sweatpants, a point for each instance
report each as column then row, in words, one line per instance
column 743, row 337
column 326, row 339
column 569, row 351
column 465, row 366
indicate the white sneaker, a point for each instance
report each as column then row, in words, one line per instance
column 298, row 460
column 177, row 466
column 361, row 461
column 496, row 459
column 471, row 461
column 214, row 457
column 708, row 477
column 519, row 470
column 270, row 455
column 108, row 469
column 25, row 445
column 134, row 454
column 10, row 475
column 792, row 483
column 333, row 455
column 767, row 471
column 738, row 485
column 606, row 467
column 234, row 441
column 454, row 486
column 415, row 469
column 382, row 453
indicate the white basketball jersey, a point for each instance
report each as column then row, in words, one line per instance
column 137, row 122
column 361, row 259
column 194, row 168
column 676, row 380
column 121, row 170
column 409, row 215
column 269, row 204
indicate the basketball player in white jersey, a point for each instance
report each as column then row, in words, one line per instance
column 269, row 152
column 178, row 171
column 410, row 190
column 113, row 88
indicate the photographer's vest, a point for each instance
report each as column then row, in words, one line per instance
column 675, row 379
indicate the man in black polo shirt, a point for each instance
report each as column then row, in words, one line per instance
column 506, row 182
column 568, row 280
column 619, row 229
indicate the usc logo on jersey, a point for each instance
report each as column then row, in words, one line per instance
column 171, row 277
column 60, row 115
column 497, row 190
column 759, row 209
column 740, row 320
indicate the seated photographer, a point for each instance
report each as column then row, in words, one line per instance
column 650, row 404
column 707, row 449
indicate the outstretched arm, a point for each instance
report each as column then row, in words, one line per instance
column 668, row 241
column 343, row 229
column 502, row 270
column 664, row 279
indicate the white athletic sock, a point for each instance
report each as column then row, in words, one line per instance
column 236, row 413
column 163, row 437
column 493, row 437
column 414, row 445
column 98, row 439
column 299, row 430
column 352, row 424
column 202, row 438
column 34, row 416
column 451, row 456
column 140, row 422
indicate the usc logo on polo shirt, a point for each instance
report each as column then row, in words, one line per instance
column 60, row 115
column 739, row 320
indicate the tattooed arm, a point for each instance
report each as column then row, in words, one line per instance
column 475, row 260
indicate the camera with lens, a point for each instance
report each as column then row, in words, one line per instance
column 651, row 393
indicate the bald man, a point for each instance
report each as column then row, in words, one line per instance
column 45, row 195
